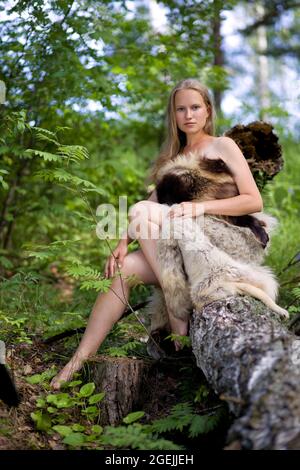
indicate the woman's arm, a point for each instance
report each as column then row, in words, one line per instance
column 249, row 199
column 153, row 196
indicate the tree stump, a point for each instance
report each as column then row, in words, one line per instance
column 123, row 381
column 252, row 362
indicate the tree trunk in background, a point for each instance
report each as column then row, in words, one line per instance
column 262, row 64
column 218, row 52
column 252, row 362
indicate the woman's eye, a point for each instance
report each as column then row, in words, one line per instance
column 180, row 109
column 196, row 106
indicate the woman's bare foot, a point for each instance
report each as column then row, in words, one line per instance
column 66, row 374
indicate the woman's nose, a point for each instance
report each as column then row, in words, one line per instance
column 188, row 113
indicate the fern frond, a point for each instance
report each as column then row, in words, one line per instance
column 203, row 424
column 65, row 242
column 296, row 292
column 46, row 156
column 84, row 271
column 124, row 350
column 74, row 153
column 181, row 415
column 102, row 285
column 44, row 135
column 62, row 176
column 135, row 436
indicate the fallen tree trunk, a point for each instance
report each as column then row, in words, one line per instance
column 252, row 362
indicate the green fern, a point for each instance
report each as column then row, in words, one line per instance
column 62, row 176
column 125, row 350
column 44, row 135
column 296, row 292
column 74, row 153
column 135, row 436
column 46, row 156
column 99, row 286
column 84, row 271
column 182, row 416
column 203, row 424
column 90, row 278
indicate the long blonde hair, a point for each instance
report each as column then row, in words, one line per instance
column 176, row 139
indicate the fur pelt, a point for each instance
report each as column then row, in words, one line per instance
column 190, row 177
column 210, row 257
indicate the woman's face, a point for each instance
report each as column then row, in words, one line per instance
column 191, row 111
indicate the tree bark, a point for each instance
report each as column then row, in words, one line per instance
column 252, row 362
column 218, row 59
column 123, row 381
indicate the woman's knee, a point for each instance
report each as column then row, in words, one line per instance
column 136, row 267
column 128, row 265
column 142, row 216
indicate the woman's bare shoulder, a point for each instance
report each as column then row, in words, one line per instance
column 214, row 149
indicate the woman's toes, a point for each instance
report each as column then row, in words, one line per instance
column 56, row 383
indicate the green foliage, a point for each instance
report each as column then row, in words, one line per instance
column 57, row 412
column 282, row 199
column 184, row 341
column 183, row 418
column 132, row 417
column 135, row 436
column 14, row 329
column 131, row 348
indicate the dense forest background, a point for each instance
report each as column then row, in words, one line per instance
column 83, row 91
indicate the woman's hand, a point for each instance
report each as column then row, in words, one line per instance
column 186, row 209
column 115, row 260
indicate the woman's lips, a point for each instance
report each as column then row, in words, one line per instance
column 189, row 123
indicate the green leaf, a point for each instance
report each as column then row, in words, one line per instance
column 90, row 410
column 46, row 156
column 132, row 417
column 51, row 409
column 87, row 390
column 96, row 429
column 74, row 383
column 61, row 400
column 77, row 427
column 202, row 425
column 42, row 420
column 75, row 439
column 40, row 402
column 96, row 398
column 35, row 379
column 62, row 430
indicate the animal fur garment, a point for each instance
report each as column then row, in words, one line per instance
column 192, row 178
column 207, row 258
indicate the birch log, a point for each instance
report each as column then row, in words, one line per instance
column 253, row 362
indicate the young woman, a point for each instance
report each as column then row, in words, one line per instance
column 190, row 117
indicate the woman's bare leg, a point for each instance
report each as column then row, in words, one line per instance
column 107, row 310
